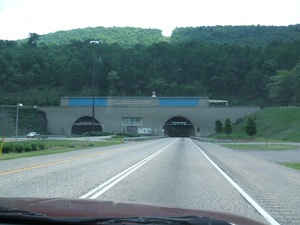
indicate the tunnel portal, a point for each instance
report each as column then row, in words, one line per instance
column 85, row 124
column 179, row 127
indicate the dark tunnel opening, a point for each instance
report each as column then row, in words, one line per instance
column 85, row 124
column 179, row 127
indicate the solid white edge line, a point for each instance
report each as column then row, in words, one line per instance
column 266, row 215
column 99, row 190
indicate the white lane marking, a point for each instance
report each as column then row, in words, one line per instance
column 96, row 192
column 266, row 215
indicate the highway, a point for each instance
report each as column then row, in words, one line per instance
column 169, row 171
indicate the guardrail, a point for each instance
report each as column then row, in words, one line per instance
column 142, row 138
column 210, row 140
column 53, row 136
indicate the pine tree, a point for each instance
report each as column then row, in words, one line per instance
column 218, row 126
column 227, row 127
column 251, row 126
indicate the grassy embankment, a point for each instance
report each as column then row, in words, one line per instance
column 276, row 123
column 29, row 148
column 273, row 124
column 25, row 149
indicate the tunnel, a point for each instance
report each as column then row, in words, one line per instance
column 85, row 124
column 179, row 127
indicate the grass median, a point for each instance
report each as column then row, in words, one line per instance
column 292, row 165
column 51, row 147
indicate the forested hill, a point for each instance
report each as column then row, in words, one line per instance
column 36, row 73
column 125, row 36
column 247, row 35
column 130, row 36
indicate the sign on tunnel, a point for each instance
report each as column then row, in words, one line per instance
column 176, row 123
column 179, row 127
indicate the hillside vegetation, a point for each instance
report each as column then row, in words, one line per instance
column 29, row 120
column 245, row 35
column 135, row 62
column 278, row 123
column 130, row 36
column 124, row 36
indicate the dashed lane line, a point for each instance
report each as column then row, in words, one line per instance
column 99, row 190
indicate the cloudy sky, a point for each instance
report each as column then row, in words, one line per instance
column 18, row 18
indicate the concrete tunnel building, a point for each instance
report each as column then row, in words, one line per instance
column 173, row 116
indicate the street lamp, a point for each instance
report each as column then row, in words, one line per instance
column 17, row 116
column 93, row 90
column 17, row 119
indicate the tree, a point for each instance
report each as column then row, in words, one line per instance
column 115, row 83
column 33, row 76
column 227, row 127
column 281, row 88
column 33, row 37
column 76, row 75
column 284, row 87
column 218, row 126
column 251, row 126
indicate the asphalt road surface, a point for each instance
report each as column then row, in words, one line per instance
column 170, row 171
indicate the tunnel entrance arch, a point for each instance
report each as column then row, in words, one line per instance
column 85, row 124
column 179, row 127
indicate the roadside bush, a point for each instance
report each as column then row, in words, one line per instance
column 34, row 146
column 27, row 148
column 7, row 148
column 42, row 146
column 19, row 148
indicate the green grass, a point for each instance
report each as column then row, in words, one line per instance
column 277, row 123
column 261, row 146
column 56, row 146
column 115, row 139
column 292, row 165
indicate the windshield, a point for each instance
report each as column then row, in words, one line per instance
column 150, row 109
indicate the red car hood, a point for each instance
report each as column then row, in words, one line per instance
column 60, row 207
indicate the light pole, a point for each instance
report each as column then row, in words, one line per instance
column 17, row 116
column 93, row 90
column 17, row 119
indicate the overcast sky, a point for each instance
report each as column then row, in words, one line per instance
column 18, row 18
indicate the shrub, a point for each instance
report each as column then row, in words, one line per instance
column 19, row 148
column 42, row 146
column 34, row 146
column 27, row 148
column 7, row 148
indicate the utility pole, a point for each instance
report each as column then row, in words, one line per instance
column 17, row 119
column 93, row 90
